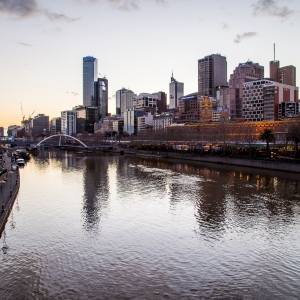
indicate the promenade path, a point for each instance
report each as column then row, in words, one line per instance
column 8, row 190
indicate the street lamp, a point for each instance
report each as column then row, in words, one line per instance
column 2, row 182
column 10, row 172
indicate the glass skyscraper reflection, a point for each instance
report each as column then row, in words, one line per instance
column 90, row 74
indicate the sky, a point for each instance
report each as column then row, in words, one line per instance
column 137, row 43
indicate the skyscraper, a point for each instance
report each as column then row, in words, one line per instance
column 176, row 92
column 232, row 97
column 212, row 72
column 101, row 96
column 284, row 75
column 90, row 74
column 126, row 101
column 118, row 99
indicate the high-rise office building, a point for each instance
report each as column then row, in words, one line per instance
column 262, row 99
column 212, row 72
column 176, row 92
column 68, row 122
column 40, row 125
column 101, row 97
column 232, row 96
column 118, row 99
column 126, row 101
column 284, row 75
column 55, row 126
column 86, row 117
column 90, row 74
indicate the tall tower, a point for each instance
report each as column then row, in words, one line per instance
column 285, row 75
column 212, row 72
column 118, row 99
column 176, row 92
column 101, row 96
column 90, row 72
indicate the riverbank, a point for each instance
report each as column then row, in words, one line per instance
column 9, row 190
column 286, row 166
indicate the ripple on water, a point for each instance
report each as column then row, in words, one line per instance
column 100, row 228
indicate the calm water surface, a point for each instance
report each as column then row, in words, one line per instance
column 101, row 227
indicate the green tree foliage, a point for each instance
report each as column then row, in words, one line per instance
column 294, row 136
column 268, row 136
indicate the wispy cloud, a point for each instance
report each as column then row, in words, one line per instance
column 124, row 5
column 27, row 8
column 53, row 31
column 24, row 44
column 224, row 25
column 271, row 8
column 73, row 93
column 245, row 35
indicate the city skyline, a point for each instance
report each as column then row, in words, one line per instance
column 43, row 46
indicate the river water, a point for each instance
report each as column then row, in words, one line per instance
column 115, row 227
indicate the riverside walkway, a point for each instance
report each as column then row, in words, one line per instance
column 9, row 187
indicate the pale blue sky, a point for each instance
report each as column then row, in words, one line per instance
column 137, row 43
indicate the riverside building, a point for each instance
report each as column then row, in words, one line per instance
column 40, row 125
column 231, row 97
column 68, row 122
column 261, row 99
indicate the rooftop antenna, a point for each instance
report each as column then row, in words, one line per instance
column 274, row 51
column 172, row 72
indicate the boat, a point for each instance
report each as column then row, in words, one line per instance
column 20, row 161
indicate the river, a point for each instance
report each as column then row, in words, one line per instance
column 118, row 227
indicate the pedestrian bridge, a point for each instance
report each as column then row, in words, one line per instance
column 60, row 136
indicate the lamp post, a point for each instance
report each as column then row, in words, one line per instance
column 10, row 174
column 2, row 182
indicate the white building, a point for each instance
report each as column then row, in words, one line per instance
column 176, row 92
column 162, row 121
column 144, row 122
column 68, row 122
column 145, row 100
column 126, row 101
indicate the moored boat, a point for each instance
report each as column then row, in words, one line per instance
column 20, row 161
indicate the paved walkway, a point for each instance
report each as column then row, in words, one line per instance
column 8, row 190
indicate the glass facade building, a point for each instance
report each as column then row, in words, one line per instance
column 131, row 120
column 176, row 92
column 101, row 96
column 90, row 74
column 86, row 117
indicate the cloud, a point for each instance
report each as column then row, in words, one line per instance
column 53, row 31
column 28, row 8
column 245, row 35
column 271, row 8
column 224, row 25
column 24, row 44
column 58, row 17
column 124, row 5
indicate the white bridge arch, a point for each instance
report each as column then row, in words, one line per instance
column 61, row 135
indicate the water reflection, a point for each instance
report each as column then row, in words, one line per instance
column 110, row 227
column 96, row 191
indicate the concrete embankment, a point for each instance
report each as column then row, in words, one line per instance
column 251, row 163
column 8, row 190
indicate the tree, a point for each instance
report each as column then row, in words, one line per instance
column 269, row 137
column 294, row 136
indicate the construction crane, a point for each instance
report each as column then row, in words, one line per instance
column 31, row 115
column 23, row 116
